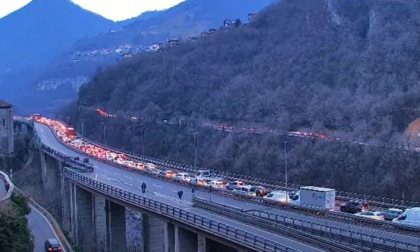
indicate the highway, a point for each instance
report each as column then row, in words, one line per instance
column 167, row 192
column 40, row 229
column 2, row 189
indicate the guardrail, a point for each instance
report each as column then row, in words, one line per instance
column 216, row 228
column 378, row 201
column 329, row 237
column 319, row 213
column 60, row 235
column 8, row 185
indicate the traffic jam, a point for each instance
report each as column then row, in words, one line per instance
column 307, row 196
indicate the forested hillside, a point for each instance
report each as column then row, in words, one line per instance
column 343, row 67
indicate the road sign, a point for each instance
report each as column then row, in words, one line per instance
column 180, row 193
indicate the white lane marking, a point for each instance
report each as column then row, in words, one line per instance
column 158, row 186
column 45, row 218
column 173, row 199
column 125, row 183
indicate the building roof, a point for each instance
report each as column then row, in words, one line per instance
column 4, row 104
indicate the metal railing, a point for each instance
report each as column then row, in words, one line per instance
column 329, row 237
column 208, row 225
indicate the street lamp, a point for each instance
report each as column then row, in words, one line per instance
column 285, row 160
column 83, row 127
column 143, row 131
column 104, row 123
column 195, row 147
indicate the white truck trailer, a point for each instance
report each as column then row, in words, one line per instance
column 317, row 197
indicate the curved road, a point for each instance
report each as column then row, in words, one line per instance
column 40, row 229
column 2, row 189
column 167, row 192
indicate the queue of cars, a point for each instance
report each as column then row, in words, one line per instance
column 324, row 197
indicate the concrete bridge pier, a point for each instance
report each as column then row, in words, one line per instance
column 116, row 227
column 97, row 224
column 82, row 218
column 65, row 204
column 153, row 233
column 185, row 240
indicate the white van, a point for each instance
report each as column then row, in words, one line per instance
column 277, row 196
column 203, row 173
column 410, row 217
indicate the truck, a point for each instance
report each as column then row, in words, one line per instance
column 317, row 197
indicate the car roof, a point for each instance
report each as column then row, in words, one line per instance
column 395, row 209
column 53, row 241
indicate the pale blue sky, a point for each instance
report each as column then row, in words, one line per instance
column 111, row 9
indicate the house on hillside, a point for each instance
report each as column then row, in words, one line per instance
column 174, row 41
column 6, row 129
column 192, row 38
column 212, row 30
column 128, row 55
column 251, row 16
column 228, row 23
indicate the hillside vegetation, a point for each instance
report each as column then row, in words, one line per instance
column 344, row 67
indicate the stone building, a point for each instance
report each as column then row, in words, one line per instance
column 6, row 129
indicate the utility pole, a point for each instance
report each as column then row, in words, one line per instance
column 104, row 123
column 195, row 147
column 285, row 161
column 143, row 131
column 83, row 127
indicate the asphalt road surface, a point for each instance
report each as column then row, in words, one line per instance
column 167, row 192
column 2, row 189
column 40, row 229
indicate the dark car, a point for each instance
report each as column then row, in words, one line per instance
column 392, row 213
column 354, row 206
column 52, row 245
column 259, row 191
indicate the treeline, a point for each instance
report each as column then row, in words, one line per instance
column 15, row 235
column 348, row 68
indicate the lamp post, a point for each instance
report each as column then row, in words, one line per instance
column 143, row 131
column 104, row 123
column 195, row 147
column 83, row 127
column 285, row 160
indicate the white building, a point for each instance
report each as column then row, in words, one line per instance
column 6, row 129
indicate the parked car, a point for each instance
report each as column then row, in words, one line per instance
column 234, row 185
column 52, row 245
column 392, row 213
column 371, row 215
column 259, row 191
column 354, row 206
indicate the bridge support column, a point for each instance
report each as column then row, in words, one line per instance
column 169, row 237
column 100, row 209
column 82, row 222
column 153, row 233
column 116, row 227
column 65, row 204
column 43, row 167
column 185, row 241
column 201, row 243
